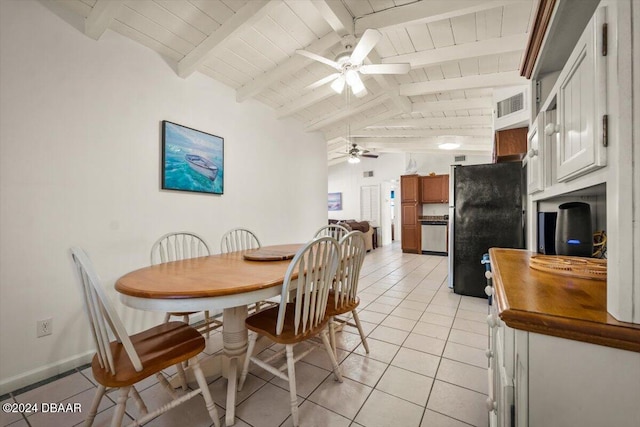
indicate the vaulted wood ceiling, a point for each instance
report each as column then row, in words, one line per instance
column 459, row 50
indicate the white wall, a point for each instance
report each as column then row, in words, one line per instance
column 346, row 178
column 79, row 165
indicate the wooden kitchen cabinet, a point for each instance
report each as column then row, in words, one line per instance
column 435, row 189
column 410, row 211
column 411, row 239
column 410, row 188
column 510, row 145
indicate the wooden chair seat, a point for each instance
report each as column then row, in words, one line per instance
column 131, row 358
column 160, row 347
column 264, row 323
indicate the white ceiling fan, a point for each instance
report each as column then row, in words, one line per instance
column 349, row 65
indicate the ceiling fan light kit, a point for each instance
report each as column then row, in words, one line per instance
column 349, row 64
column 338, row 84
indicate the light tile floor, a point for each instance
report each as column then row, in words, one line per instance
column 426, row 368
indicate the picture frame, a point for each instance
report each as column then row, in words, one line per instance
column 335, row 201
column 192, row 160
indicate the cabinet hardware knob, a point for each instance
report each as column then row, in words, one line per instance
column 488, row 274
column 488, row 353
column 533, row 152
column 488, row 290
column 491, row 404
column 491, row 321
column 551, row 128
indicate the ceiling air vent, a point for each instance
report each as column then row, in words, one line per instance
column 511, row 105
column 459, row 158
column 367, row 174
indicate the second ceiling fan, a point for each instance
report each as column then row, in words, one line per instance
column 349, row 65
column 356, row 152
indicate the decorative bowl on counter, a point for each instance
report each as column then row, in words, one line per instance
column 585, row 268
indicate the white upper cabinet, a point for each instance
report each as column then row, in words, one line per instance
column 582, row 103
column 535, row 177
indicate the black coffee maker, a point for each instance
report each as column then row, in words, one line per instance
column 574, row 234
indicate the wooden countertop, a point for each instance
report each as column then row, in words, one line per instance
column 556, row 305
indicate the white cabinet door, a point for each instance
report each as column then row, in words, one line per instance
column 535, row 172
column 582, row 104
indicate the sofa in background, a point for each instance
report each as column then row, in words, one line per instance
column 364, row 226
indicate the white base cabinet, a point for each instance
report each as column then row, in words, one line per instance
column 540, row 380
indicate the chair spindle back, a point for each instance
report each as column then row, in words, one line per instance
column 177, row 246
column 103, row 319
column 312, row 271
column 239, row 239
column 353, row 250
column 333, row 230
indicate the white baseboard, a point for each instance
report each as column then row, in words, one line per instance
column 31, row 377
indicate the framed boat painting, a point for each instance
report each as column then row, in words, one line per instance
column 335, row 201
column 192, row 160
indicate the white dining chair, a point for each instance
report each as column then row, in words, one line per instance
column 239, row 239
column 242, row 239
column 333, row 230
column 127, row 360
column 343, row 297
column 177, row 246
column 309, row 276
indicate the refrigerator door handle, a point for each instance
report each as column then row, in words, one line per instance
column 452, row 248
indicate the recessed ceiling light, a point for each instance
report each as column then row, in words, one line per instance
column 449, row 146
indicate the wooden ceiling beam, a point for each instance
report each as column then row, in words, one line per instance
column 336, row 15
column 289, row 67
column 342, row 131
column 247, row 15
column 420, row 133
column 423, row 12
column 437, row 121
column 466, row 143
column 427, row 58
column 101, row 16
column 292, row 107
column 356, row 107
column 508, row 78
column 452, row 105
column 388, row 84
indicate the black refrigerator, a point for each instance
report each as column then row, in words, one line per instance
column 485, row 211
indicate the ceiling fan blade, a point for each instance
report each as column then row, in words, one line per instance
column 385, row 69
column 319, row 58
column 373, row 156
column 367, row 42
column 323, row 81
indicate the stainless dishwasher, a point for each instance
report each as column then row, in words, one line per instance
column 434, row 235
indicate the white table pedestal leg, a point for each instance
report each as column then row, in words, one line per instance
column 234, row 339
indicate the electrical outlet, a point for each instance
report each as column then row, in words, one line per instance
column 44, row 327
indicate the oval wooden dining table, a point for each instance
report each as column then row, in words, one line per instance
column 226, row 281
